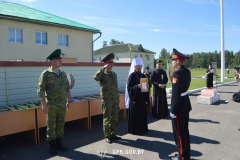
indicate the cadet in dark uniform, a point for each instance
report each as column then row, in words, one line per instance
column 110, row 98
column 147, row 74
column 180, row 105
column 54, row 84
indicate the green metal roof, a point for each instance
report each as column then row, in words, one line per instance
column 17, row 11
column 126, row 47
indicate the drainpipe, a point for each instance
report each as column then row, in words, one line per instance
column 130, row 53
column 94, row 41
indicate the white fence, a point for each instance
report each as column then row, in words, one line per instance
column 18, row 85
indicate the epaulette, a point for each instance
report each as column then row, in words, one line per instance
column 45, row 71
column 176, row 69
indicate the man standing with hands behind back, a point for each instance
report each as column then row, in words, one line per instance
column 110, row 98
column 180, row 105
column 54, row 84
column 159, row 80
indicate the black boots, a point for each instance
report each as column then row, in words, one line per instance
column 52, row 148
column 59, row 145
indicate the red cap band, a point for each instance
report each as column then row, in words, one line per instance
column 108, row 60
column 179, row 57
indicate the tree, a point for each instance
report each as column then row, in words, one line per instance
column 229, row 57
column 105, row 43
column 188, row 62
column 196, row 58
column 113, row 42
column 202, row 63
column 164, row 54
column 237, row 59
column 209, row 58
column 216, row 57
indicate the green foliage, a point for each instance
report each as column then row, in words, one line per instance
column 203, row 59
column 105, row 43
column 113, row 41
column 164, row 56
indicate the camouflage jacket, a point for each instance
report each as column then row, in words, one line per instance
column 55, row 87
column 108, row 83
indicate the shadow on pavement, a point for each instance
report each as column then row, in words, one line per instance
column 220, row 102
column 202, row 120
column 163, row 149
column 194, row 94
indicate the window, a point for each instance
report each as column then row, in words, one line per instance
column 62, row 40
column 41, row 38
column 100, row 59
column 148, row 57
column 135, row 55
column 15, row 35
column 94, row 59
column 141, row 55
column 117, row 57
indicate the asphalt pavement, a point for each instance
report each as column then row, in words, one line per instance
column 214, row 135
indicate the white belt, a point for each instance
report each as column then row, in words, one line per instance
column 184, row 94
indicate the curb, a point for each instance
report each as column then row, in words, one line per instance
column 199, row 89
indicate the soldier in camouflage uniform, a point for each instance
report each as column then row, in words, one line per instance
column 54, row 84
column 110, row 98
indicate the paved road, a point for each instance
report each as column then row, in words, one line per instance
column 214, row 130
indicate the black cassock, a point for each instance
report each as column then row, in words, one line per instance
column 209, row 79
column 137, row 112
column 159, row 104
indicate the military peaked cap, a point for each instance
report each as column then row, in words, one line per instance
column 109, row 58
column 146, row 67
column 55, row 55
column 178, row 55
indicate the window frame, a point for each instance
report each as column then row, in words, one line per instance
column 40, row 39
column 15, row 36
column 148, row 57
column 62, row 40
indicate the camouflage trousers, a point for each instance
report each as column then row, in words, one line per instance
column 110, row 116
column 56, row 120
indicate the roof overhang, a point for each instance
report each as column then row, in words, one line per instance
column 7, row 17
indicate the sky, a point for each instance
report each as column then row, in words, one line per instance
column 188, row 25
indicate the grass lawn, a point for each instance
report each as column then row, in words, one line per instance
column 199, row 83
column 202, row 72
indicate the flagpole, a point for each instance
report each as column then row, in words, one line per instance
column 222, row 44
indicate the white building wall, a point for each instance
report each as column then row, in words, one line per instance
column 22, row 82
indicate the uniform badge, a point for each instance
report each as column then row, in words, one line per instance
column 39, row 83
column 174, row 80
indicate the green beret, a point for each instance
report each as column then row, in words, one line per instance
column 146, row 67
column 55, row 55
